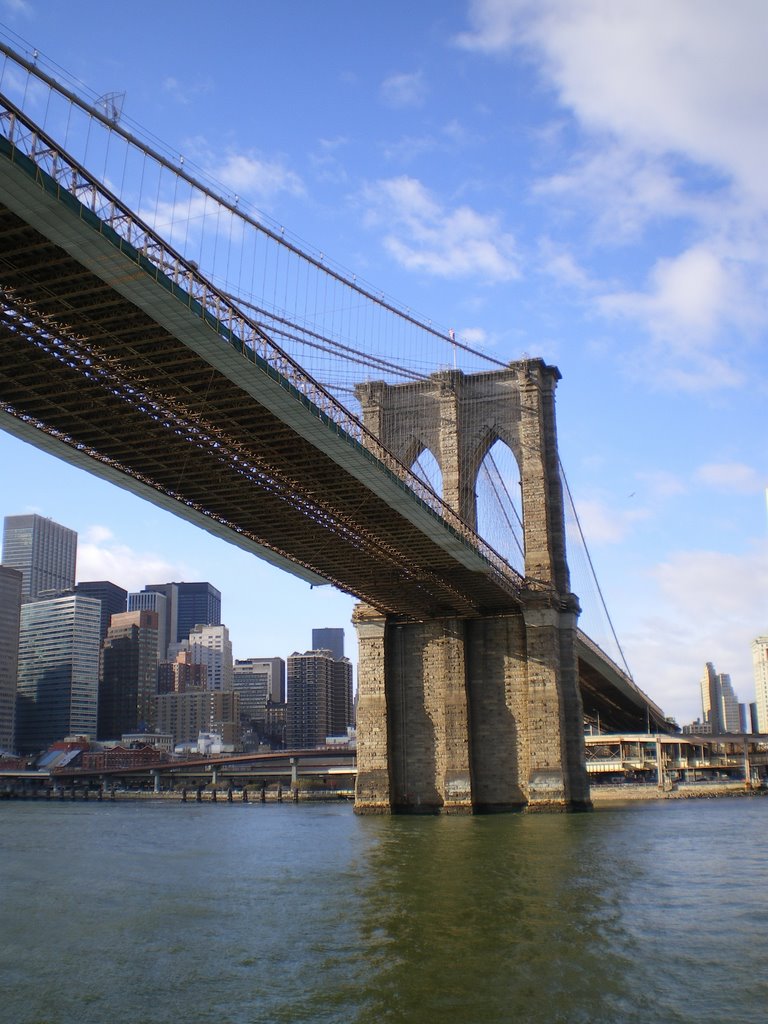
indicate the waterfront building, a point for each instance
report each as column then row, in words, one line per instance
column 43, row 551
column 697, row 728
column 329, row 639
column 58, row 676
column 154, row 601
column 113, row 600
column 760, row 668
column 319, row 698
column 720, row 706
column 189, row 605
column 210, row 646
column 186, row 715
column 128, row 683
column 10, row 617
column 158, row 740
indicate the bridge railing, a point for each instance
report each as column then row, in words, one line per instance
column 25, row 137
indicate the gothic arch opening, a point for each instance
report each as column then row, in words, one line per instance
column 499, row 504
column 426, row 467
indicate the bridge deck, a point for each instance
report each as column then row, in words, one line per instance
column 123, row 371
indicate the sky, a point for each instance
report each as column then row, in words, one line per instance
column 583, row 182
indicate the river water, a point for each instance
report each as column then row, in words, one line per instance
column 238, row 914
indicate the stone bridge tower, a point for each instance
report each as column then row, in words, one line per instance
column 484, row 713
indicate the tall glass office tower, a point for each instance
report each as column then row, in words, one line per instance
column 10, row 610
column 58, row 677
column 43, row 551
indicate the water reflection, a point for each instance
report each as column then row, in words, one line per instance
column 491, row 919
column 652, row 914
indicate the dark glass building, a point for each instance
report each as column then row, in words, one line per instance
column 189, row 605
column 128, row 682
column 113, row 599
column 10, row 612
column 329, row 639
column 58, row 681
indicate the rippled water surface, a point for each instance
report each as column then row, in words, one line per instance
column 240, row 914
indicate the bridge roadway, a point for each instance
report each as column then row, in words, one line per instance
column 121, row 359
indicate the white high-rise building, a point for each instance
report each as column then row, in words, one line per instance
column 210, row 646
column 760, row 666
column 719, row 703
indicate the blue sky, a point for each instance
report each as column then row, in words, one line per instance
column 579, row 181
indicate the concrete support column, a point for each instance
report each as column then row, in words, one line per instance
column 156, row 778
column 372, row 789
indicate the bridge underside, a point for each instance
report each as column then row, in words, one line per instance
column 105, row 382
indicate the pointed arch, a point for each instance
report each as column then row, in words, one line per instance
column 427, row 468
column 499, row 500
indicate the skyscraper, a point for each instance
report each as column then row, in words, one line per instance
column 760, row 667
column 43, row 551
column 58, row 682
column 154, row 601
column 10, row 614
column 199, row 605
column 189, row 605
column 113, row 599
column 260, row 682
column 329, row 639
column 210, row 646
column 319, row 698
column 719, row 704
column 128, row 683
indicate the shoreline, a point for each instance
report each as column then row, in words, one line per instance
column 701, row 791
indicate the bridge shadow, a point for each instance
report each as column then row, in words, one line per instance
column 411, row 706
column 496, row 689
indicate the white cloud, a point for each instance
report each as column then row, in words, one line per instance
column 18, row 7
column 731, row 477
column 186, row 92
column 709, row 606
column 100, row 556
column 669, row 98
column 425, row 236
column 561, row 264
column 603, row 524
column 660, row 484
column 686, row 77
column 248, row 175
column 688, row 293
column 405, row 89
column 474, row 335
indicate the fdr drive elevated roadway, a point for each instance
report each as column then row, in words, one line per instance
column 118, row 356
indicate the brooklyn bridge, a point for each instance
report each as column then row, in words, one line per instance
column 279, row 417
